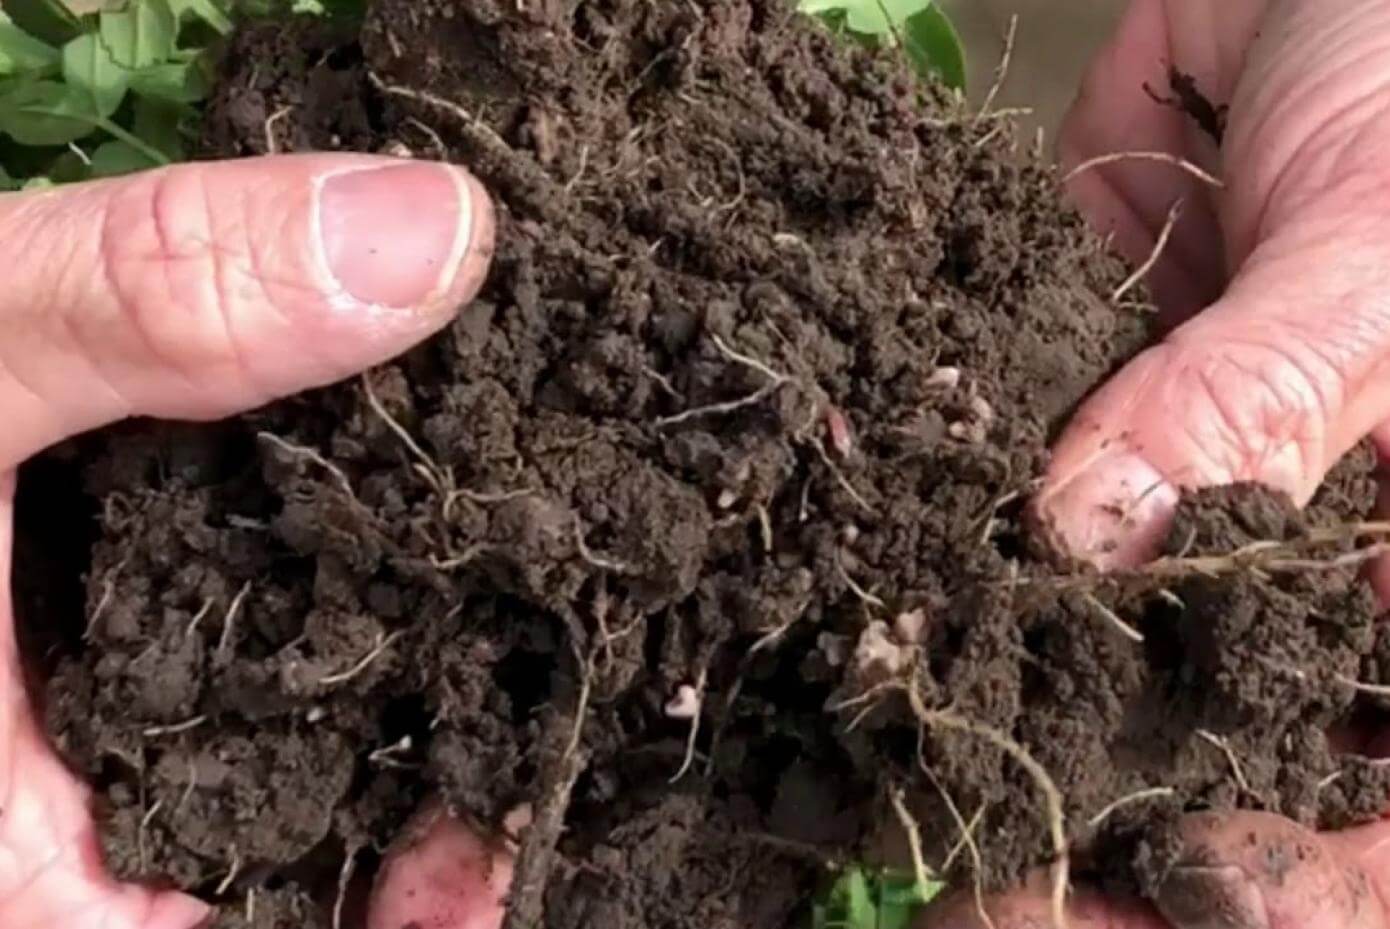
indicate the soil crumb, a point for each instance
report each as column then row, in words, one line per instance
column 652, row 544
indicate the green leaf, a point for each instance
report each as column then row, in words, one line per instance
column 19, row 51
column 48, row 20
column 935, row 47
column 157, row 124
column 870, row 17
column 208, row 11
column 116, row 157
column 89, row 70
column 177, row 82
column 44, row 113
column 141, row 34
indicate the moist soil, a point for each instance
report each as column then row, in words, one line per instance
column 672, row 541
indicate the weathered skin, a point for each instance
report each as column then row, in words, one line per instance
column 1278, row 286
column 152, row 296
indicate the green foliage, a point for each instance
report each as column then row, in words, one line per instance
column 101, row 94
column 919, row 26
column 881, row 899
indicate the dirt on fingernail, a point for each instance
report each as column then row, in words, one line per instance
column 744, row 422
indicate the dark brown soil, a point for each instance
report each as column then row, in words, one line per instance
column 765, row 369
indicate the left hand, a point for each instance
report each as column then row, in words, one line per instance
column 196, row 292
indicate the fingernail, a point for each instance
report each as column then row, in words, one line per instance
column 395, row 236
column 1211, row 897
column 1113, row 513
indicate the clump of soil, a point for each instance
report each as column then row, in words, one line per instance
column 653, row 544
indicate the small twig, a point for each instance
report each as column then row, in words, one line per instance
column 1225, row 748
column 1163, row 157
column 232, row 873
column 155, row 732
column 383, row 643
column 1110, row 616
column 1001, row 72
column 303, row 451
column 228, row 622
column 1151, row 793
column 1160, row 244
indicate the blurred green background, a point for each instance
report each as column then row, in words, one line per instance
column 1055, row 40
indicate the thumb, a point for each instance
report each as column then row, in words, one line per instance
column 199, row 290
column 1273, row 383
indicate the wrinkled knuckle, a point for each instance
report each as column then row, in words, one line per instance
column 1261, row 409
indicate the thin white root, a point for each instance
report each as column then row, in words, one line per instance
column 1056, row 817
column 108, row 590
column 967, row 840
column 1379, row 690
column 1138, row 796
column 344, row 878
column 694, row 728
column 469, row 121
column 270, row 147
column 232, row 873
column 433, row 473
column 1164, row 157
column 1225, row 748
column 383, row 643
column 868, row 598
column 842, row 480
column 229, row 621
column 144, row 829
column 604, row 564
column 1001, row 72
column 914, row 837
column 197, row 618
column 155, row 732
column 303, row 451
column 1113, row 618
column 1160, row 244
column 774, row 383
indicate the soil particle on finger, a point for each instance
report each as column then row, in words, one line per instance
column 733, row 447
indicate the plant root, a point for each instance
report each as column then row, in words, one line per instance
column 155, row 732
column 967, row 839
column 560, row 761
column 344, row 878
column 1160, row 244
column 774, row 383
column 232, row 872
column 1001, row 71
column 303, row 451
column 689, row 759
column 224, row 643
column 1113, row 618
column 1056, row 817
column 1236, row 770
column 1163, row 157
column 920, row 871
column 428, row 468
column 383, row 643
column 1151, row 793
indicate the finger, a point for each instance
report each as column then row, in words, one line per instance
column 201, row 289
column 441, row 874
column 1130, row 200
column 51, row 871
column 1273, row 384
column 1235, row 870
column 1030, row 907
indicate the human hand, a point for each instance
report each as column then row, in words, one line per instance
column 1278, row 364
column 196, row 292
